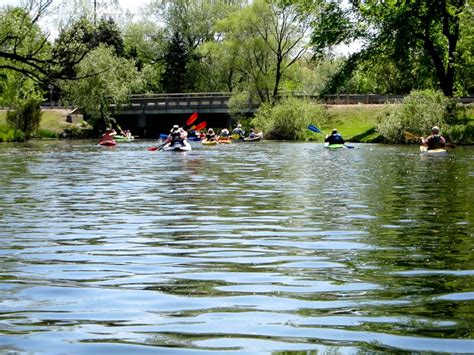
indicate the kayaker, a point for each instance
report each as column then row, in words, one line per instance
column 177, row 135
column 224, row 132
column 107, row 138
column 334, row 138
column 252, row 133
column 238, row 130
column 211, row 135
column 435, row 141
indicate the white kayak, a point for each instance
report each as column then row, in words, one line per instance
column 177, row 147
column 425, row 151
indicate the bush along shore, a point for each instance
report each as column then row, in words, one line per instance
column 385, row 123
column 289, row 120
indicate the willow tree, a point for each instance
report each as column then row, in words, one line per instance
column 269, row 37
column 105, row 79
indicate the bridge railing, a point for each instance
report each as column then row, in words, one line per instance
column 182, row 102
column 218, row 101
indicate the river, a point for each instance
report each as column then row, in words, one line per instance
column 246, row 248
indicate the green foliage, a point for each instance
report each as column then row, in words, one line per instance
column 289, row 119
column 8, row 134
column 24, row 48
column 79, row 130
column 419, row 38
column 175, row 76
column 106, row 79
column 420, row 111
column 45, row 133
column 260, row 42
column 26, row 116
column 24, row 98
column 144, row 42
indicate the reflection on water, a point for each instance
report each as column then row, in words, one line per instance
column 247, row 248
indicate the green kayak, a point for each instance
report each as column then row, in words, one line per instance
column 333, row 146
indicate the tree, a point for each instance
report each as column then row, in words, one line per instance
column 269, row 37
column 24, row 97
column 26, row 50
column 174, row 78
column 195, row 22
column 106, row 79
column 407, row 32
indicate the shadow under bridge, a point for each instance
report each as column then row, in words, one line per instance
column 149, row 115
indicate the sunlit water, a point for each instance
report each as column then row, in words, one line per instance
column 243, row 248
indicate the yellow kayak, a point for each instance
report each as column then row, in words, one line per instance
column 206, row 142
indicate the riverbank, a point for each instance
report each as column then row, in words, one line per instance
column 355, row 122
column 52, row 125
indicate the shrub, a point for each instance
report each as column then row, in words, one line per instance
column 79, row 130
column 420, row 111
column 8, row 134
column 26, row 116
column 289, row 119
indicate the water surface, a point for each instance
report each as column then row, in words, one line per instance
column 243, row 248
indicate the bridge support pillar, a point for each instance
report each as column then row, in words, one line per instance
column 141, row 121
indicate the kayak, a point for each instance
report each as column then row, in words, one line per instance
column 333, row 146
column 108, row 143
column 123, row 138
column 424, row 151
column 255, row 138
column 235, row 136
column 177, row 147
column 206, row 142
column 224, row 141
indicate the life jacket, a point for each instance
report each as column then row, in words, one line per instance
column 176, row 138
column 335, row 139
column 434, row 142
column 176, row 135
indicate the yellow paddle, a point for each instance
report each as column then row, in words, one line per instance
column 411, row 137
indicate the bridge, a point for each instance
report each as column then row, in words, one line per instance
column 150, row 115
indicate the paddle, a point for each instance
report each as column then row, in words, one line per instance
column 411, row 137
column 198, row 127
column 317, row 130
column 191, row 119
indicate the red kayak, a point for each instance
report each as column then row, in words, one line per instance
column 108, row 143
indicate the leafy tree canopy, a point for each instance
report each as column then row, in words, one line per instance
column 421, row 36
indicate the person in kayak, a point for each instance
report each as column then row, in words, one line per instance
column 252, row 133
column 177, row 136
column 238, row 130
column 211, row 135
column 334, row 138
column 435, row 141
column 224, row 132
column 108, row 136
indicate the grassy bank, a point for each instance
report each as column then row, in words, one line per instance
column 355, row 122
column 53, row 123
